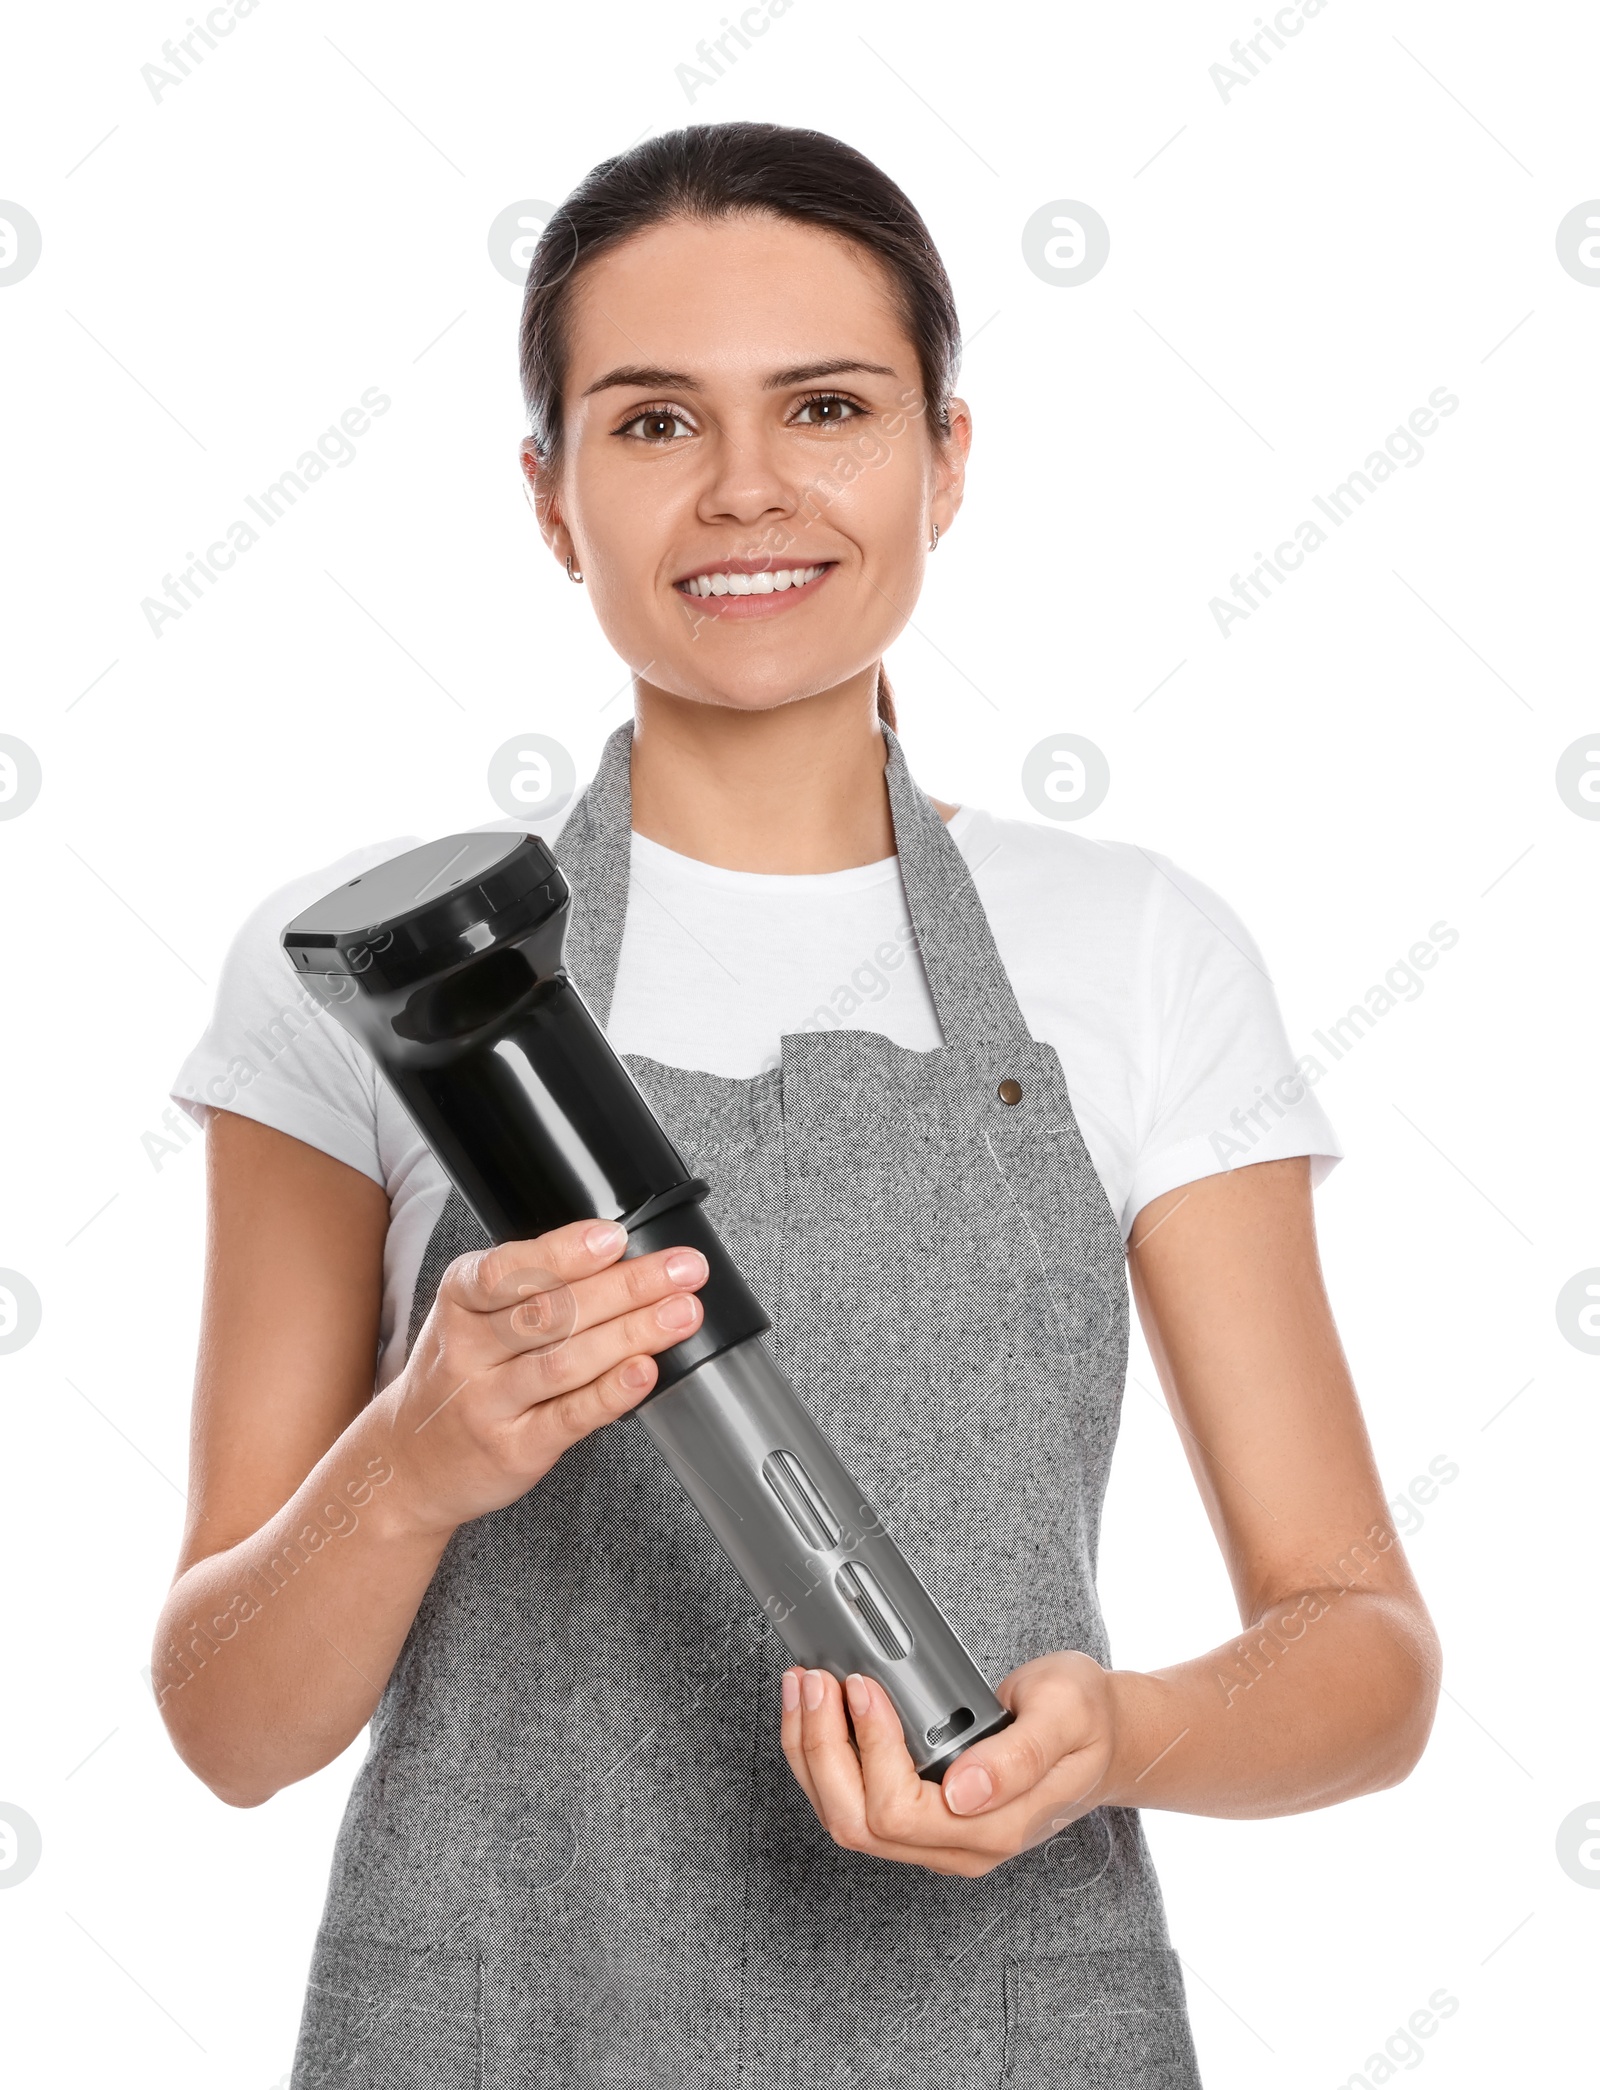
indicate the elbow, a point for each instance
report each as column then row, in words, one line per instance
column 228, row 1781
column 231, row 1794
column 217, row 1769
column 1413, row 1700
column 231, row 1798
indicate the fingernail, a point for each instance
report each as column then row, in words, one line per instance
column 680, row 1312
column 813, row 1689
column 967, row 1790
column 685, row 1265
column 856, row 1691
column 637, row 1373
column 606, row 1235
column 791, row 1692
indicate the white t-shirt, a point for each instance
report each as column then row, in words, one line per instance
column 1146, row 982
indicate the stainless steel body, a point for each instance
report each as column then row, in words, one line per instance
column 812, row 1553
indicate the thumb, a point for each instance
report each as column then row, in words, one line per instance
column 1048, row 1724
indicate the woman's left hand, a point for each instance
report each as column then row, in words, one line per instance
column 998, row 1798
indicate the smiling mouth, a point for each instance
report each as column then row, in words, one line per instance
column 786, row 580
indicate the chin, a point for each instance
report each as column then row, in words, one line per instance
column 758, row 687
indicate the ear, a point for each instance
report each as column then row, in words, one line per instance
column 540, row 490
column 950, row 464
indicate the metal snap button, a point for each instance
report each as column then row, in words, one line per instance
column 1009, row 1091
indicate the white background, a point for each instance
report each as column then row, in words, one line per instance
column 1292, row 271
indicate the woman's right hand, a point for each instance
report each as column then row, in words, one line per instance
column 528, row 1347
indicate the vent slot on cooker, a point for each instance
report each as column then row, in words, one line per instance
column 861, row 1592
column 958, row 1723
column 802, row 1498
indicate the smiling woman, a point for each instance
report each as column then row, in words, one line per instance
column 606, row 1832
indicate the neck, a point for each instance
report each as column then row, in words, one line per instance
column 798, row 788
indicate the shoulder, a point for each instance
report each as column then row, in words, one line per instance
column 1106, row 887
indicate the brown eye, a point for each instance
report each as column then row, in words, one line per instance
column 829, row 411
column 655, row 426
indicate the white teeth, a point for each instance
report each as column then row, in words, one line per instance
column 752, row 583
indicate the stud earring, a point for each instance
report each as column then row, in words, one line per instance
column 571, row 576
column 935, row 544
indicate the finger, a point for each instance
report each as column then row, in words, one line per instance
column 485, row 1279
column 1003, row 1767
column 789, row 1735
column 538, row 1375
column 917, row 1829
column 899, row 1805
column 834, row 1767
column 575, row 1414
column 551, row 1310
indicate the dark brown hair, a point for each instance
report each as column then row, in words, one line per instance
column 715, row 170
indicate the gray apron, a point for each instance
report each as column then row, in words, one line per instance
column 575, row 1854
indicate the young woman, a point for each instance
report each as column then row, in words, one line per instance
column 953, row 1078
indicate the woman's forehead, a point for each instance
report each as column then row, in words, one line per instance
column 744, row 296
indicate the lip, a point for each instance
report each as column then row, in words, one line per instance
column 741, row 609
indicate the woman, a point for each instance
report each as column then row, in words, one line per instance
column 603, row 1833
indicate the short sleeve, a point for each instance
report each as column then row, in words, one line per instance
column 273, row 1050
column 1227, row 1088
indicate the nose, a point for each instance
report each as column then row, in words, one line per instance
column 746, row 483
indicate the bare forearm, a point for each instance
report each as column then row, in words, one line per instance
column 270, row 1657
column 1329, row 1695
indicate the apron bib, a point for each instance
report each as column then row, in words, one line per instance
column 575, row 1854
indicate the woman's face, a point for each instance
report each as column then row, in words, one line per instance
column 744, row 411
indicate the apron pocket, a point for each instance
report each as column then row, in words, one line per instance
column 386, row 2017
column 1098, row 2021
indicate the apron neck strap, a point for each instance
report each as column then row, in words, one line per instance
column 972, row 995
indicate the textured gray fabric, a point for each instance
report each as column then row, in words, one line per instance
column 575, row 1854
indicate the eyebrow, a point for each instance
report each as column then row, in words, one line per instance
column 643, row 377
